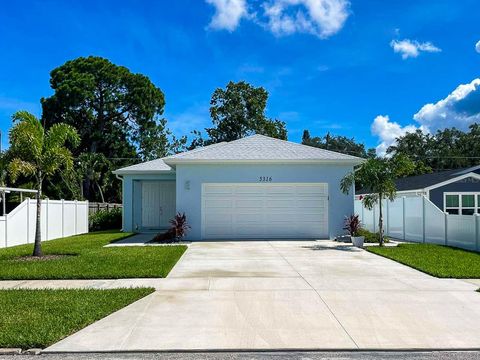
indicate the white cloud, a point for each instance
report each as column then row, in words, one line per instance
column 322, row 18
column 412, row 48
column 388, row 132
column 459, row 109
column 477, row 46
column 228, row 13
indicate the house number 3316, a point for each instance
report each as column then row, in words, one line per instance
column 265, row 179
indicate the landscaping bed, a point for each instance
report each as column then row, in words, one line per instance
column 88, row 259
column 436, row 260
column 39, row 318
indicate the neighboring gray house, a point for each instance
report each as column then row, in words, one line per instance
column 452, row 191
column 253, row 188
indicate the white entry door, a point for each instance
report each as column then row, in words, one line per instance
column 158, row 203
column 265, row 211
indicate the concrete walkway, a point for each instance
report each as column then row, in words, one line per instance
column 289, row 295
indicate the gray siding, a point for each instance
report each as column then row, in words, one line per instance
column 465, row 185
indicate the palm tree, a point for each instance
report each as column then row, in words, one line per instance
column 39, row 153
column 378, row 175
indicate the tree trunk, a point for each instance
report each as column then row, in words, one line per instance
column 380, row 221
column 101, row 192
column 37, row 249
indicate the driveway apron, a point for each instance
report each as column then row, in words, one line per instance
column 270, row 295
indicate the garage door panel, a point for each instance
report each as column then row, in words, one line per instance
column 265, row 211
column 253, row 230
column 219, row 203
column 249, row 190
column 281, row 191
column 317, row 189
column 312, row 203
column 248, row 203
column 252, row 217
column 219, row 231
column 276, row 203
column 218, row 218
column 219, row 190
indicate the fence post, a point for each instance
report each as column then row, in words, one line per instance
column 446, row 229
column 87, row 215
column 363, row 212
column 28, row 220
column 75, row 223
column 63, row 218
column 477, row 231
column 374, row 221
column 423, row 218
column 403, row 218
column 6, row 229
column 46, row 218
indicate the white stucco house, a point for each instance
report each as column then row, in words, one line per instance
column 253, row 188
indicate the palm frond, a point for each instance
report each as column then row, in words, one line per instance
column 26, row 136
column 56, row 158
column 19, row 167
column 59, row 134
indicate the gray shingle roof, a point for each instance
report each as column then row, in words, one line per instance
column 148, row 166
column 261, row 148
column 420, row 182
column 252, row 148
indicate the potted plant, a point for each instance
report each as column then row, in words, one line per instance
column 352, row 225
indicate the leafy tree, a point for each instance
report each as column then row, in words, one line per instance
column 238, row 111
column 447, row 149
column 337, row 143
column 39, row 153
column 112, row 108
column 91, row 168
column 378, row 175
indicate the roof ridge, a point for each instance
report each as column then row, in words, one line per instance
column 196, row 150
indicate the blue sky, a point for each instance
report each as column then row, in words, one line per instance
column 363, row 69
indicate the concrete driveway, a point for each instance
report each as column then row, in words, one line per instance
column 289, row 295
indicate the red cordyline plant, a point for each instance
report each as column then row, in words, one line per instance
column 352, row 224
column 180, row 226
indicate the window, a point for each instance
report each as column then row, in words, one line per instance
column 462, row 203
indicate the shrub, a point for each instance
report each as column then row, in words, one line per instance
column 180, row 226
column 352, row 225
column 371, row 237
column 106, row 220
column 176, row 232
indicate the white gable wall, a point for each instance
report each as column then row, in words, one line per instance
column 190, row 178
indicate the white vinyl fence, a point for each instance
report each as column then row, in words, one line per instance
column 417, row 219
column 59, row 218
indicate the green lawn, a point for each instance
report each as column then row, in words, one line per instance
column 39, row 318
column 91, row 260
column 436, row 260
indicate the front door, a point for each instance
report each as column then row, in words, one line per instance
column 158, row 204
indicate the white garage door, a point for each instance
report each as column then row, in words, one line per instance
column 264, row 211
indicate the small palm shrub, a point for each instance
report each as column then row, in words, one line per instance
column 106, row 220
column 352, row 225
column 180, row 226
column 178, row 230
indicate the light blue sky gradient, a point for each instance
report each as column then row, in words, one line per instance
column 338, row 84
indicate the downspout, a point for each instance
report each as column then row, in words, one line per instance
column 123, row 220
